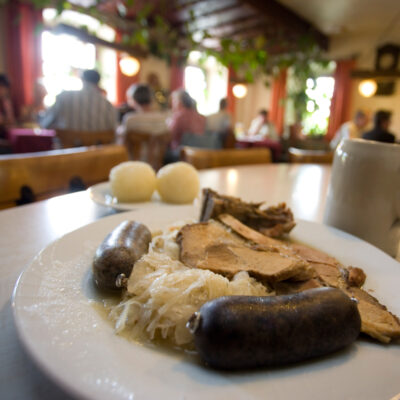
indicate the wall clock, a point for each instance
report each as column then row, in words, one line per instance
column 387, row 58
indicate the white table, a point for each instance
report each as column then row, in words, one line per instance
column 27, row 229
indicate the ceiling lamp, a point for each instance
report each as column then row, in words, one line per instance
column 367, row 88
column 129, row 65
column 239, row 90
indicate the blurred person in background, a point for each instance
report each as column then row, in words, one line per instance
column 127, row 107
column 82, row 110
column 262, row 127
column 7, row 117
column 221, row 121
column 380, row 132
column 31, row 114
column 351, row 129
column 185, row 119
column 145, row 119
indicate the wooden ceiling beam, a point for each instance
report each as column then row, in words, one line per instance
column 204, row 8
column 226, row 18
column 87, row 37
column 286, row 17
column 254, row 31
column 225, row 30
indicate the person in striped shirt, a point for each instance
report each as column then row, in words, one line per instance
column 82, row 110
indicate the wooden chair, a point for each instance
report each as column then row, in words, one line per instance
column 69, row 138
column 147, row 147
column 202, row 158
column 310, row 156
column 49, row 173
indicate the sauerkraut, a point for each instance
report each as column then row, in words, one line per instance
column 163, row 293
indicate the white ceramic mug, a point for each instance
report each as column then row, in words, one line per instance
column 364, row 192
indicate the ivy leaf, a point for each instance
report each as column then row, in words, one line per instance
column 249, row 76
column 59, row 7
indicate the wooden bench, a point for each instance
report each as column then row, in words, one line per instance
column 49, row 173
column 310, row 156
column 70, row 139
column 203, row 158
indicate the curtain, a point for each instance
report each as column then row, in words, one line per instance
column 24, row 57
column 277, row 108
column 123, row 82
column 340, row 103
column 177, row 75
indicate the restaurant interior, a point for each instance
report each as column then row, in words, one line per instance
column 290, row 74
column 199, row 199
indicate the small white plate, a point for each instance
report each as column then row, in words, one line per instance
column 74, row 344
column 101, row 194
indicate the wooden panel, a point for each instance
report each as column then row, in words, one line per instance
column 366, row 74
column 147, row 147
column 50, row 172
column 82, row 138
column 310, row 156
column 287, row 18
column 201, row 158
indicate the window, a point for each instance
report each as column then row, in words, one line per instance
column 206, row 81
column 319, row 92
column 65, row 56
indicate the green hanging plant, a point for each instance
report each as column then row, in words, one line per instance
column 154, row 34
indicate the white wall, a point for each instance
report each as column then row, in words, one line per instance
column 258, row 97
column 156, row 66
column 363, row 48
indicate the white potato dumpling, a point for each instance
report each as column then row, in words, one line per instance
column 178, row 183
column 132, row 181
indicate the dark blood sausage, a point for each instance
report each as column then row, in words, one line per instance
column 118, row 252
column 236, row 332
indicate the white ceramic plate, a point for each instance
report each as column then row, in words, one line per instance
column 77, row 347
column 101, row 194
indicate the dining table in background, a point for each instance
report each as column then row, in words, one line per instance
column 249, row 142
column 25, row 230
column 29, row 140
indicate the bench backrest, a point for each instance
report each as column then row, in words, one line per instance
column 49, row 173
column 202, row 158
column 82, row 138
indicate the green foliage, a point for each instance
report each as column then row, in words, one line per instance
column 249, row 58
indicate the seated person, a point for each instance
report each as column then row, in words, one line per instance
column 221, row 121
column 262, row 128
column 82, row 110
column 380, row 131
column 185, row 118
column 350, row 129
column 7, row 117
column 144, row 119
column 30, row 114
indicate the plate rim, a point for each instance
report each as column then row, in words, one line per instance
column 29, row 346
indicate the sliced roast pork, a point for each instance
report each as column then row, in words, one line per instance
column 209, row 245
column 273, row 221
